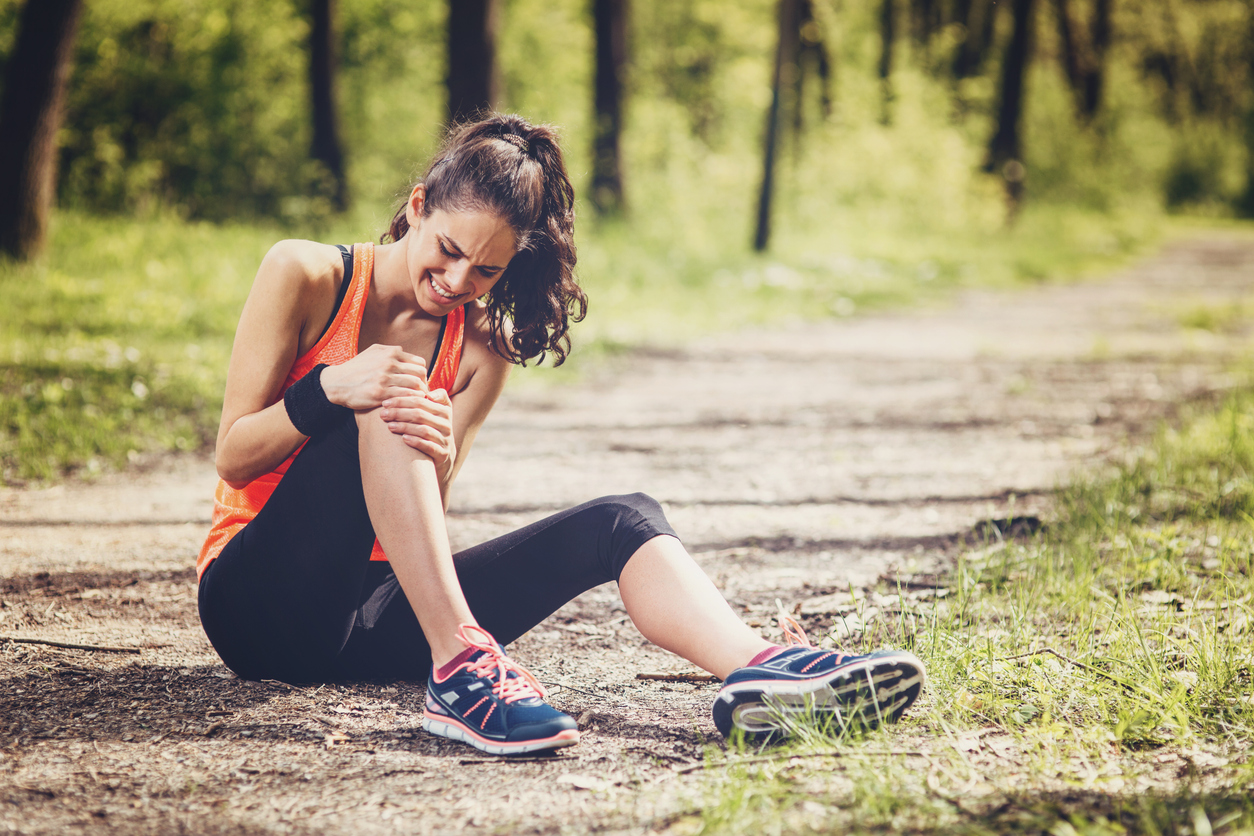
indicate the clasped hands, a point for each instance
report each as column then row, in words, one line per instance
column 394, row 381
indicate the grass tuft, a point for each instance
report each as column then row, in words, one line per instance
column 1097, row 678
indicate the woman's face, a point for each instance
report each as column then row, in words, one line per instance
column 454, row 257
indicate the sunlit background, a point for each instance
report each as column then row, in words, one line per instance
column 185, row 150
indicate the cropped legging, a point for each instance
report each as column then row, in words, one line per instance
column 294, row 595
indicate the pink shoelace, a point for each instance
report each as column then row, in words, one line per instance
column 494, row 662
column 794, row 633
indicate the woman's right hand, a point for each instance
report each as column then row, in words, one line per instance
column 376, row 374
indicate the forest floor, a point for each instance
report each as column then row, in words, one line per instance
column 809, row 464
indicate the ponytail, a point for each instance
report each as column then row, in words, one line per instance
column 515, row 170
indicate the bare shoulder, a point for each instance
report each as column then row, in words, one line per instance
column 301, row 265
column 478, row 358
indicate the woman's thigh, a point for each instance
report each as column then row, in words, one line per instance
column 281, row 599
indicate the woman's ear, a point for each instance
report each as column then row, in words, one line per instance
column 413, row 209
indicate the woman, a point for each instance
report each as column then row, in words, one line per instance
column 358, row 381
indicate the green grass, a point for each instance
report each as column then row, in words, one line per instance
column 1097, row 679
column 115, row 344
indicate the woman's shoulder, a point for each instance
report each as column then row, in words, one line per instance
column 300, row 264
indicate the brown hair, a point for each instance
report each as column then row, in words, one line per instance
column 504, row 165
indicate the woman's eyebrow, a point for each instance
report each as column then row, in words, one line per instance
column 458, row 251
column 449, row 242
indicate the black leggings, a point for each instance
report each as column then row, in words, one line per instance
column 294, row 595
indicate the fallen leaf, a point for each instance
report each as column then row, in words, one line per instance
column 581, row 781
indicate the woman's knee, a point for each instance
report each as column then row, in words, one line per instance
column 625, row 522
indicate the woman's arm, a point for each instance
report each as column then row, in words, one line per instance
column 255, row 434
column 290, row 302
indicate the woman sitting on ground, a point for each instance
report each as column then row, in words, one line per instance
column 358, row 381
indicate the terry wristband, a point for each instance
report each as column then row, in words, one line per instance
column 308, row 406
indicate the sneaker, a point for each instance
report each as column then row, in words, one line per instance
column 803, row 684
column 493, row 703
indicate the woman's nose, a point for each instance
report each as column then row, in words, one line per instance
column 458, row 277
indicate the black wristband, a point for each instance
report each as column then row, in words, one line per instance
column 308, row 406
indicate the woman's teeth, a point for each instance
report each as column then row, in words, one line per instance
column 441, row 290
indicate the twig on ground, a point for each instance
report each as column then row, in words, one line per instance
column 509, row 759
column 572, row 688
column 783, row 758
column 70, row 646
column 1097, row 671
column 679, row 677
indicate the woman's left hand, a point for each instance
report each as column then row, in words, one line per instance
column 425, row 423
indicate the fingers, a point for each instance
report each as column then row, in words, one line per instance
column 426, row 440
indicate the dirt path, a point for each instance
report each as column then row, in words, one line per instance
column 795, row 462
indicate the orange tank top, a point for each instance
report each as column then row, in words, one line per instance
column 233, row 509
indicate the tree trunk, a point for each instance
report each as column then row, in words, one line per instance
column 785, row 64
column 1071, row 61
column 610, row 20
column 888, row 35
column 811, row 50
column 30, row 116
column 472, row 81
column 1084, row 54
column 977, row 18
column 925, row 18
column 1094, row 78
column 1005, row 153
column 1245, row 203
column 326, row 141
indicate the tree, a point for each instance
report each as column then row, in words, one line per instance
column 888, row 35
column 1084, row 54
column 789, row 16
column 1005, row 152
column 326, row 141
column 610, row 23
column 978, row 19
column 30, row 116
column 472, row 75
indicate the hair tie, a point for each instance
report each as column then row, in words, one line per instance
column 517, row 141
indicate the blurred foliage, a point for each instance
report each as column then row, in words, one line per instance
column 181, row 111
column 202, row 106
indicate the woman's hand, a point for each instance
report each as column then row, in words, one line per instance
column 375, row 375
column 425, row 423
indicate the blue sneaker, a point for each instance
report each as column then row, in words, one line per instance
column 804, row 684
column 493, row 703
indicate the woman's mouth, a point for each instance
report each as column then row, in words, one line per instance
column 441, row 292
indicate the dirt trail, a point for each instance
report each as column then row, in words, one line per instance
column 795, row 462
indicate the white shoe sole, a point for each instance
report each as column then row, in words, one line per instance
column 455, row 731
column 874, row 691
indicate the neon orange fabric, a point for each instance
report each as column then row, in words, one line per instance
column 233, row 509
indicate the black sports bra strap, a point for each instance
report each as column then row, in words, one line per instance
column 439, row 343
column 347, row 254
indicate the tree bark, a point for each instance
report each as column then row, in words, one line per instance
column 1071, row 60
column 1084, row 54
column 785, row 64
column 1005, row 153
column 472, row 76
column 888, row 34
column 1094, row 78
column 326, row 147
column 1245, row 203
column 811, row 49
column 30, row 116
column 610, row 23
column 978, row 18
